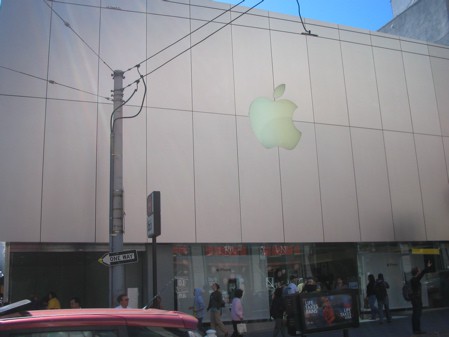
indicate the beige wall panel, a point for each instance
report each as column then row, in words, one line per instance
column 349, row 34
column 176, row 8
column 21, row 148
column 212, row 71
column 392, row 89
column 134, row 175
column 301, row 189
column 244, row 16
column 285, row 23
column 169, row 84
column 438, row 51
column 67, row 49
column 338, row 191
column 216, row 179
column 24, row 47
column 421, row 93
column 252, row 66
column 414, row 46
column 260, row 190
column 360, row 80
column 135, row 5
column 434, row 186
column 292, row 69
column 404, row 187
column 328, row 87
column 373, row 193
column 68, row 197
column 103, row 169
column 385, row 41
column 440, row 72
column 170, row 171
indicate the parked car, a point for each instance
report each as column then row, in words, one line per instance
column 16, row 321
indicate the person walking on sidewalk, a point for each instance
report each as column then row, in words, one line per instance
column 380, row 290
column 415, row 282
column 216, row 303
column 237, row 312
column 198, row 307
column 277, row 310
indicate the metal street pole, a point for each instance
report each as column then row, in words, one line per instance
column 116, row 272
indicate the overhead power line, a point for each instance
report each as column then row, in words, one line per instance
column 54, row 82
column 199, row 42
column 67, row 24
column 187, row 35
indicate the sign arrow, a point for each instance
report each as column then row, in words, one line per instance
column 126, row 256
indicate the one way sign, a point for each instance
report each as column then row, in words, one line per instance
column 126, row 256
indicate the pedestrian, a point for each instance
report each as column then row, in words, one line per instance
column 123, row 301
column 292, row 288
column 415, row 283
column 277, row 310
column 216, row 303
column 310, row 285
column 380, row 289
column 198, row 307
column 236, row 311
column 75, row 303
column 371, row 296
column 339, row 284
column 53, row 301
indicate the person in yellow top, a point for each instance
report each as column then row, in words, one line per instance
column 53, row 302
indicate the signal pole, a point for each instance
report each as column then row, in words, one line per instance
column 116, row 213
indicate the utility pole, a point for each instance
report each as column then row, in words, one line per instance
column 116, row 212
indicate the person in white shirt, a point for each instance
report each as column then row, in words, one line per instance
column 123, row 301
column 292, row 288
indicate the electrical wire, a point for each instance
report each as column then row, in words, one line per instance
column 54, row 82
column 201, row 41
column 308, row 32
column 67, row 24
column 187, row 35
column 112, row 122
column 141, row 105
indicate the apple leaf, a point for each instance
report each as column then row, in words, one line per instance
column 279, row 91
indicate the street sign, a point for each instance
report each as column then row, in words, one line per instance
column 126, row 256
column 154, row 214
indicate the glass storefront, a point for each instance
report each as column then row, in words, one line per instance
column 257, row 269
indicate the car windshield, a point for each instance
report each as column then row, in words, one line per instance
column 66, row 333
column 134, row 331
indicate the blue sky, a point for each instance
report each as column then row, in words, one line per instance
column 364, row 14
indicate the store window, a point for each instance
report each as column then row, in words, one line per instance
column 258, row 269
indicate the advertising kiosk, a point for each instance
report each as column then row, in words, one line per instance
column 322, row 311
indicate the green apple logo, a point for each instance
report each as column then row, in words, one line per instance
column 272, row 121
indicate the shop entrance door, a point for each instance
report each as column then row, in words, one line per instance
column 389, row 264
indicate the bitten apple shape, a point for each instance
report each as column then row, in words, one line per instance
column 272, row 121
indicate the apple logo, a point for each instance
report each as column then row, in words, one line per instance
column 272, row 121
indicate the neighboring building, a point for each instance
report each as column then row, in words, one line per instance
column 365, row 190
column 426, row 20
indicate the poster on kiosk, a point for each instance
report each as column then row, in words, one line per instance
column 322, row 311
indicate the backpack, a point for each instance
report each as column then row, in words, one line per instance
column 407, row 291
column 380, row 290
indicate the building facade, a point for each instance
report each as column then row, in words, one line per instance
column 426, row 20
column 365, row 190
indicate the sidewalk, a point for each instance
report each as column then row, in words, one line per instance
column 434, row 321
